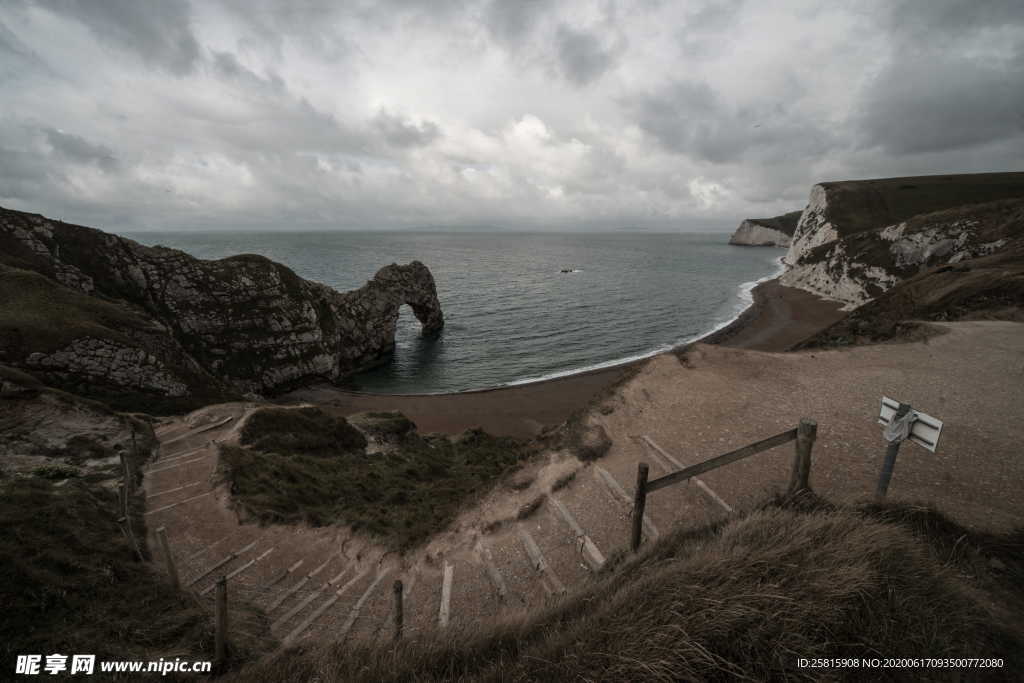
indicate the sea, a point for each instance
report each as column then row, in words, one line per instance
column 512, row 312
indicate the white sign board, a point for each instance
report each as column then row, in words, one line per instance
column 924, row 430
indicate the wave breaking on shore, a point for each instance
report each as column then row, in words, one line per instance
column 745, row 295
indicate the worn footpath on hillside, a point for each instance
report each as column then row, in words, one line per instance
column 525, row 545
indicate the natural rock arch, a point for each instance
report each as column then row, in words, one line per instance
column 207, row 330
column 376, row 307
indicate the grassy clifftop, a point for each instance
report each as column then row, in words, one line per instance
column 856, row 205
column 70, row 582
column 786, row 223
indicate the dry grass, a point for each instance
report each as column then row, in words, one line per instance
column 740, row 601
column 39, row 315
column 71, row 583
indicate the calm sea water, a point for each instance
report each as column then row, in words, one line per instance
column 511, row 316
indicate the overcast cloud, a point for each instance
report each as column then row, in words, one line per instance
column 524, row 114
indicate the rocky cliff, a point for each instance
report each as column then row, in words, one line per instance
column 104, row 316
column 57, row 435
column 857, row 239
column 987, row 287
column 766, row 232
column 840, row 209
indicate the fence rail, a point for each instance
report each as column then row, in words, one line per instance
column 804, row 435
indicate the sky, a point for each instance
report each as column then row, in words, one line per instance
column 491, row 114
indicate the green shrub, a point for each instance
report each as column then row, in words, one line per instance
column 306, row 431
column 55, row 472
column 310, row 472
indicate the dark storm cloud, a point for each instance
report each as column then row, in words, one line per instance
column 23, row 174
column 10, row 46
column 227, row 66
column 512, row 22
column 692, row 119
column 582, row 55
column 269, row 23
column 535, row 113
column 919, row 23
column 402, row 132
column 671, row 115
column 934, row 103
column 160, row 33
column 955, row 77
column 703, row 26
column 18, row 60
column 77, row 149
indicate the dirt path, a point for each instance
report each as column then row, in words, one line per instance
column 330, row 584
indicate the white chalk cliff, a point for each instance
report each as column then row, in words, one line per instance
column 858, row 239
column 765, row 232
column 753, row 234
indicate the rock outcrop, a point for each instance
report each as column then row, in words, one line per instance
column 59, row 434
column 104, row 316
column 840, row 209
column 857, row 239
column 766, row 232
column 987, row 287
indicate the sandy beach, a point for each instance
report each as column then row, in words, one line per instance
column 778, row 318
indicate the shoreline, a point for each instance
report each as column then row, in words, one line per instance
column 777, row 318
column 748, row 288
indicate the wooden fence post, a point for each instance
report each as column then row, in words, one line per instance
column 172, row 571
column 128, row 484
column 126, row 518
column 220, row 614
column 639, row 502
column 399, row 617
column 806, row 433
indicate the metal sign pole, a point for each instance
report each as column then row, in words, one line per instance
column 890, row 461
column 890, row 455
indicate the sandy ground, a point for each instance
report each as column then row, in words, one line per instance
column 493, row 562
column 329, row 583
column 971, row 377
column 521, row 411
column 779, row 318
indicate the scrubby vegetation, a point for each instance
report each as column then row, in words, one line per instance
column 742, row 600
column 70, row 581
column 40, row 314
column 55, row 472
column 308, row 431
column 303, row 465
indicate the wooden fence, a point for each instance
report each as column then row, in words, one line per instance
column 125, row 491
column 804, row 435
